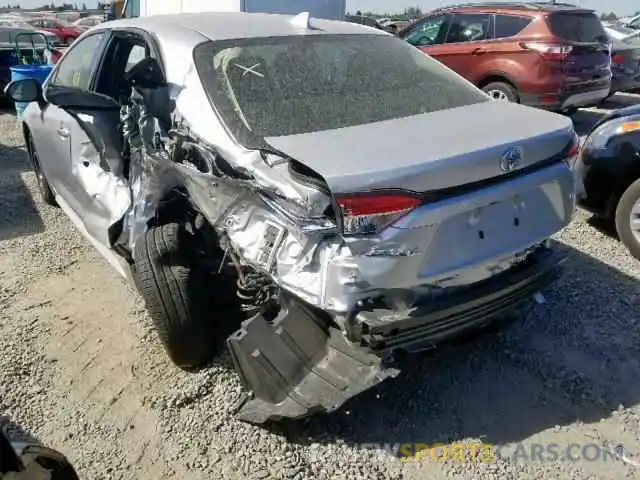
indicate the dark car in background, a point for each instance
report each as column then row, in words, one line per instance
column 609, row 170
column 625, row 57
column 553, row 56
column 363, row 20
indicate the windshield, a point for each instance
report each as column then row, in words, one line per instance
column 279, row 86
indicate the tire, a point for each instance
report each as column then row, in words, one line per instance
column 184, row 302
column 46, row 193
column 508, row 91
column 628, row 206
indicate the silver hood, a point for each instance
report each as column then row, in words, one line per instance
column 432, row 151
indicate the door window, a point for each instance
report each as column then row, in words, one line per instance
column 469, row 28
column 429, row 31
column 510, row 25
column 75, row 69
column 138, row 52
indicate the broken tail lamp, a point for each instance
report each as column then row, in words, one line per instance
column 369, row 214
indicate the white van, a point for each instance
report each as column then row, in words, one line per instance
column 330, row 9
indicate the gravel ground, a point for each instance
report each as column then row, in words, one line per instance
column 81, row 372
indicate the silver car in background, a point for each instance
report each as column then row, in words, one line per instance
column 318, row 194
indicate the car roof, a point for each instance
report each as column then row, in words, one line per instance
column 235, row 25
column 532, row 8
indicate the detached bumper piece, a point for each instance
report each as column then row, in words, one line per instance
column 293, row 367
column 435, row 322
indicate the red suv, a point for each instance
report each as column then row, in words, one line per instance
column 554, row 56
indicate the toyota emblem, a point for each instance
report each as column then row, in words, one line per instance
column 511, row 159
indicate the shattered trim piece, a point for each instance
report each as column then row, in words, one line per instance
column 294, row 368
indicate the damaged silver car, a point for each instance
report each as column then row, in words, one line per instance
column 315, row 194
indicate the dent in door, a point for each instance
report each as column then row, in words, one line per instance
column 99, row 170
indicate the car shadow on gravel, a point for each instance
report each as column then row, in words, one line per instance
column 573, row 358
column 19, row 214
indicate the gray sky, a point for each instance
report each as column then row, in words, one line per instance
column 621, row 7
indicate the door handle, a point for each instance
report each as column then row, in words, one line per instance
column 64, row 132
column 478, row 51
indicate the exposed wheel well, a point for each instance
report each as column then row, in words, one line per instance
column 495, row 78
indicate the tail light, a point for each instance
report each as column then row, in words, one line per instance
column 367, row 214
column 617, row 59
column 572, row 152
column 548, row 51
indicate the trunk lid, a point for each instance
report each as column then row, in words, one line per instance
column 433, row 151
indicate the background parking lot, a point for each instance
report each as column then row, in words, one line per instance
column 81, row 371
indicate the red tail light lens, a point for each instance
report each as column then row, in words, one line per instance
column 549, row 51
column 574, row 149
column 617, row 59
column 367, row 214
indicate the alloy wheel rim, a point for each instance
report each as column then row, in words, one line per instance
column 498, row 95
column 634, row 220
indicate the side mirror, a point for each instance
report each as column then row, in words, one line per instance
column 147, row 74
column 24, row 90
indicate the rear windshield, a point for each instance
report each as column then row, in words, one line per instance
column 583, row 27
column 279, row 86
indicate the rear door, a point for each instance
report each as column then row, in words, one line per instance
column 100, row 172
column 589, row 58
column 506, row 46
column 468, row 43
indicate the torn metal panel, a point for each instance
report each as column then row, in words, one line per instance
column 293, row 367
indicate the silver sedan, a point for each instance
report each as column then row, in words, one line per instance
column 319, row 195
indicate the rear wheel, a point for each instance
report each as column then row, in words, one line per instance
column 628, row 218
column 188, row 305
column 501, row 91
column 46, row 193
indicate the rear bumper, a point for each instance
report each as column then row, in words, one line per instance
column 575, row 97
column 297, row 365
column 435, row 322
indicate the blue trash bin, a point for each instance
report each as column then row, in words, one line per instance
column 20, row 72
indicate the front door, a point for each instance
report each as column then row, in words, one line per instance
column 467, row 44
column 428, row 33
